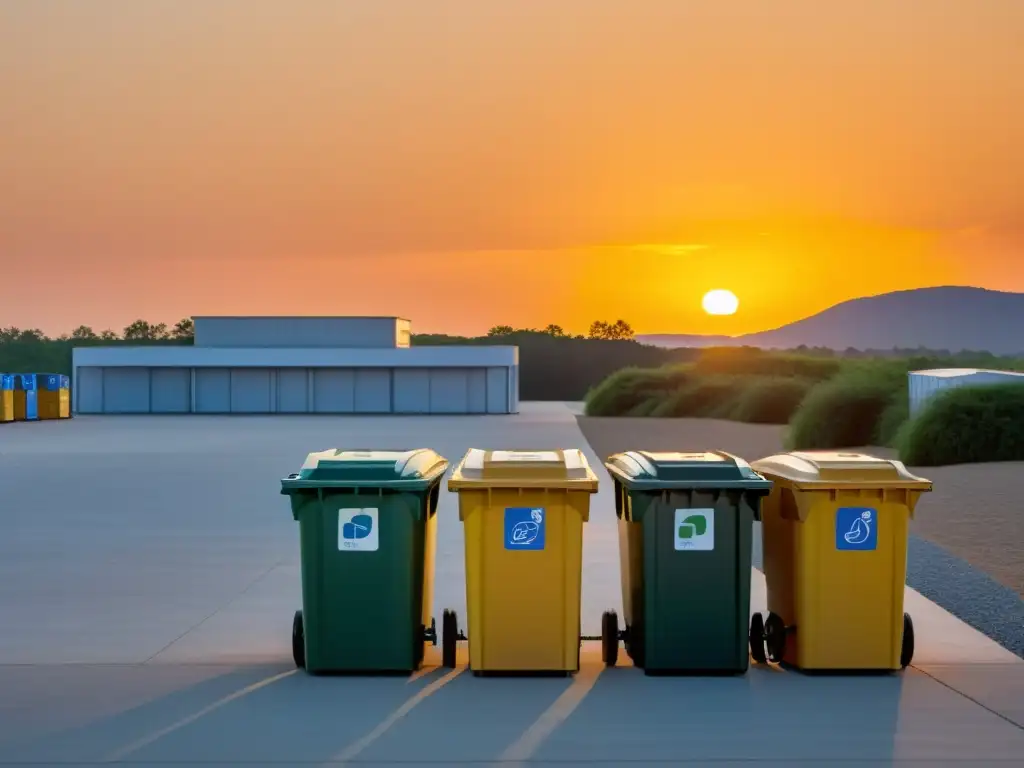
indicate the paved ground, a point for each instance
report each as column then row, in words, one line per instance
column 149, row 570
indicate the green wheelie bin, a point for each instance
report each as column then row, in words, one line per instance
column 367, row 529
column 685, row 529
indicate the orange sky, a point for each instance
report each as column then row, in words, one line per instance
column 466, row 163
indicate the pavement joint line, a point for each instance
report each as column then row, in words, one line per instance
column 522, row 749
column 220, row 608
column 353, row 749
column 135, row 746
column 971, row 699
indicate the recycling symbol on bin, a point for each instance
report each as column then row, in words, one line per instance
column 694, row 525
column 860, row 530
column 525, row 532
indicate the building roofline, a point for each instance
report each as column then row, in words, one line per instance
column 300, row 317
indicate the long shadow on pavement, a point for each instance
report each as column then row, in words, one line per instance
column 254, row 715
column 775, row 715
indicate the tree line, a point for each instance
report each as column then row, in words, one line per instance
column 553, row 364
column 620, row 330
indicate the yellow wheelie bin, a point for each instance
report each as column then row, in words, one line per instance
column 523, row 513
column 6, row 397
column 50, row 397
column 835, row 529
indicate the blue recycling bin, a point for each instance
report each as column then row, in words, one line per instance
column 26, row 402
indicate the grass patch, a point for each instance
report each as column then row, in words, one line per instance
column 966, row 425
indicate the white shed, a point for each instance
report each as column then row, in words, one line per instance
column 926, row 384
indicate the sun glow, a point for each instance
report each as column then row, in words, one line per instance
column 720, row 302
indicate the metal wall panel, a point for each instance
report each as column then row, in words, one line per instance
column 449, row 390
column 373, row 390
column 171, row 390
column 334, row 390
column 89, row 390
column 292, row 390
column 477, row 390
column 412, row 390
column 126, row 390
column 497, row 390
column 250, row 390
column 213, row 390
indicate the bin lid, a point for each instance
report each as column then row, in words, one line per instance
column 414, row 469
column 652, row 470
column 830, row 469
column 50, row 381
column 7, row 381
column 25, row 381
column 563, row 468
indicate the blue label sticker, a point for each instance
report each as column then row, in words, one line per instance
column 524, row 528
column 857, row 529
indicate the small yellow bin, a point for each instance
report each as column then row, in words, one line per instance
column 6, row 397
column 51, row 396
column 834, row 531
column 524, row 513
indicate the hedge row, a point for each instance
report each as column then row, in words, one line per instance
column 966, row 425
column 682, row 391
column 860, row 403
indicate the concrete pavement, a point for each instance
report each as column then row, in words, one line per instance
column 149, row 571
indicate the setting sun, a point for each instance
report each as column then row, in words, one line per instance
column 720, row 302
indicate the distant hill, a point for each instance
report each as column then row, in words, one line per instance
column 954, row 318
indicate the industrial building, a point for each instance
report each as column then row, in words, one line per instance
column 324, row 365
column 924, row 385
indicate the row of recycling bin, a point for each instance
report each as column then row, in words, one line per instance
column 34, row 396
column 834, row 531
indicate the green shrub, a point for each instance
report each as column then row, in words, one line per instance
column 645, row 407
column 770, row 400
column 628, row 388
column 843, row 412
column 709, row 398
column 892, row 420
column 967, row 425
column 743, row 361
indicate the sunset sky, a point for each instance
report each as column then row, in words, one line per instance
column 466, row 163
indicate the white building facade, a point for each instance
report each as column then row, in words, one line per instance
column 924, row 385
column 296, row 365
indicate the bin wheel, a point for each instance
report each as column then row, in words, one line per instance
column 449, row 637
column 609, row 638
column 298, row 641
column 907, row 649
column 774, row 638
column 757, row 639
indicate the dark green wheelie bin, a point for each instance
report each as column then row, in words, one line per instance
column 367, row 529
column 685, row 529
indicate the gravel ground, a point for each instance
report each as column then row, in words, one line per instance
column 967, row 544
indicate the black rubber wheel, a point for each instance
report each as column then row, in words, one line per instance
column 609, row 638
column 756, row 638
column 907, row 649
column 449, row 637
column 298, row 641
column 774, row 638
